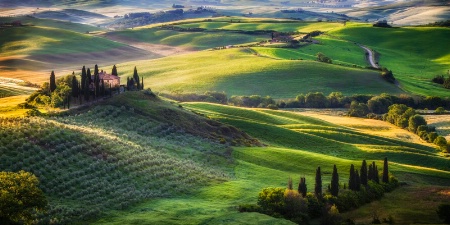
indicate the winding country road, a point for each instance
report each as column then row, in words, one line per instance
column 371, row 56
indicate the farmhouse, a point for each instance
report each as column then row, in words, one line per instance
column 109, row 79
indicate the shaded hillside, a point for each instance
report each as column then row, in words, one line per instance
column 113, row 155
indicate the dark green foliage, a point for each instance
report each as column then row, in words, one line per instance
column 271, row 200
column 446, row 83
column 443, row 212
column 416, row 121
column 289, row 186
column 89, row 75
column 334, row 187
column 385, row 171
column 358, row 109
column 96, row 81
column 331, row 217
column 20, row 198
column 432, row 137
column 357, row 180
column 441, row 142
column 370, row 173
column 52, row 81
column 136, row 79
column 318, row 184
column 83, row 78
column 376, row 175
column 249, row 208
column 252, row 101
column 387, row 75
column 399, row 114
column 379, row 104
column 323, row 58
column 363, row 175
column 302, row 189
column 114, row 71
column 75, row 86
column 316, row 100
column 87, row 90
column 439, row 79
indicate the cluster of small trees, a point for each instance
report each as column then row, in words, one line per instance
column 440, row 79
column 406, row 117
column 323, row 58
column 299, row 205
column 135, row 83
column 20, row 198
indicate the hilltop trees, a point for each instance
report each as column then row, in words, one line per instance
column 114, row 71
column 52, row 81
column 20, row 198
column 334, row 187
column 363, row 175
column 300, row 207
column 302, row 189
column 135, row 83
column 318, row 185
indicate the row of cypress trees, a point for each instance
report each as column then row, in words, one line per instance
column 356, row 179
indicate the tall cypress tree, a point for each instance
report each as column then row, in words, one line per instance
column 136, row 79
column 370, row 173
column 318, row 186
column 87, row 90
column 376, row 175
column 74, row 86
column 334, row 188
column 142, row 84
column 385, row 171
column 114, row 71
column 351, row 179
column 364, row 173
column 357, row 181
column 96, row 81
column 52, row 81
column 89, row 76
column 302, row 186
column 83, row 78
column 290, row 183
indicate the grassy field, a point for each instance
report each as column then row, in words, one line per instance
column 415, row 55
column 76, row 27
column 296, row 147
column 241, row 72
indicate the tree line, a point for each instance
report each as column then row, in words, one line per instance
column 299, row 205
column 359, row 104
column 69, row 89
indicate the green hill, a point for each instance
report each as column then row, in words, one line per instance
column 241, row 71
column 414, row 54
column 137, row 159
column 118, row 153
column 296, row 147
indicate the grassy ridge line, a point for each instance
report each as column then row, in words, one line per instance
column 332, row 143
column 240, row 72
column 415, row 54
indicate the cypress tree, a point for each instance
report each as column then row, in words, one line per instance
column 114, row 71
column 96, row 81
column 370, row 173
column 318, row 186
column 290, row 183
column 52, row 81
column 302, row 186
column 376, row 175
column 357, row 181
column 142, row 83
column 87, row 90
column 74, row 87
column 334, row 188
column 88, row 79
column 83, row 78
column 364, row 173
column 136, row 79
column 103, row 87
column 385, row 171
column 352, row 179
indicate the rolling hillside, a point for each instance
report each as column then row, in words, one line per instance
column 297, row 145
column 415, row 55
column 241, row 71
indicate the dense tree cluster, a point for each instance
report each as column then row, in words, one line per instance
column 20, row 198
column 440, row 79
column 300, row 206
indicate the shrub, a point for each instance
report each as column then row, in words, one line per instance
column 271, row 200
column 249, row 208
column 440, row 110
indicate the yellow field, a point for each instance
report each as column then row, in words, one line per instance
column 8, row 106
column 367, row 126
column 442, row 124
